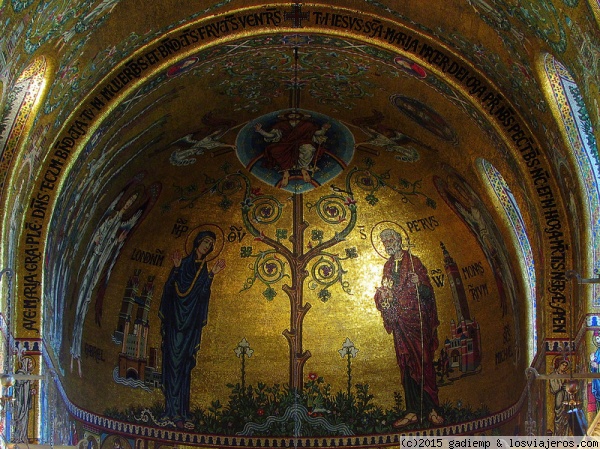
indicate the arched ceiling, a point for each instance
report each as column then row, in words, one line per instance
column 173, row 106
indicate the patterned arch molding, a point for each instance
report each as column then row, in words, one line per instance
column 578, row 129
column 21, row 103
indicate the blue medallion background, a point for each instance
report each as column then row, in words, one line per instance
column 339, row 152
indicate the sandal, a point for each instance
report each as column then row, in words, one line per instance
column 435, row 419
column 403, row 422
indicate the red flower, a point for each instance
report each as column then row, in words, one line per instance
column 260, row 412
column 312, row 376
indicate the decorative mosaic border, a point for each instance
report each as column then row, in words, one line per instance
column 558, row 346
column 592, row 320
column 32, row 346
column 102, row 424
column 171, row 435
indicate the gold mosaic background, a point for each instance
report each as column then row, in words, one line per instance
column 421, row 100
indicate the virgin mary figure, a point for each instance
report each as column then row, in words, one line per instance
column 184, row 313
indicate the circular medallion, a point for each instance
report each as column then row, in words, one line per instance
column 294, row 149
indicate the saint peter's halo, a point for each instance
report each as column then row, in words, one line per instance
column 219, row 242
column 376, row 241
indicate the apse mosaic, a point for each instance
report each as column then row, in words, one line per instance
column 355, row 310
column 321, row 251
column 293, row 272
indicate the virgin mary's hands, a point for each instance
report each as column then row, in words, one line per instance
column 218, row 266
column 176, row 258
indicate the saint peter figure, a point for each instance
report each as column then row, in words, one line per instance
column 407, row 304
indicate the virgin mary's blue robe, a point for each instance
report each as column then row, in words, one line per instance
column 184, row 312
